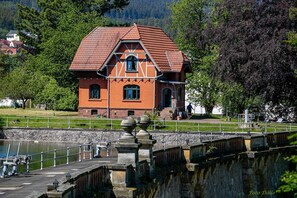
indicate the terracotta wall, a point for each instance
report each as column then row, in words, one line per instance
column 142, row 78
column 146, row 94
column 84, row 100
column 150, row 89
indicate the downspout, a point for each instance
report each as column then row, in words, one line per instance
column 154, row 101
column 108, row 92
column 108, row 98
column 175, row 96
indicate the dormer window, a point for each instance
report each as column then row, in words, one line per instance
column 131, row 62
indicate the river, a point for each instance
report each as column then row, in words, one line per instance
column 43, row 154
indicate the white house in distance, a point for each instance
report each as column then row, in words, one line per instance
column 12, row 35
column 218, row 110
column 7, row 102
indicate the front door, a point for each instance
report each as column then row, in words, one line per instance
column 167, row 97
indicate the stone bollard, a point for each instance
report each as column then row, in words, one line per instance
column 147, row 143
column 128, row 146
column 126, row 172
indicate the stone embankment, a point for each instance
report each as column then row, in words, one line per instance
column 164, row 139
column 236, row 166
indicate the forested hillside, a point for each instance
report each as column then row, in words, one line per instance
column 8, row 14
column 146, row 12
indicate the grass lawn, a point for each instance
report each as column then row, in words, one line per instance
column 36, row 118
column 34, row 112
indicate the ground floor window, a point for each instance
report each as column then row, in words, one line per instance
column 131, row 92
column 94, row 112
column 131, row 113
column 94, row 92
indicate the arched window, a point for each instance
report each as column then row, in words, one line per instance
column 94, row 92
column 131, row 62
column 131, row 92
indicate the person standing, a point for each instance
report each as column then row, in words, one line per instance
column 189, row 108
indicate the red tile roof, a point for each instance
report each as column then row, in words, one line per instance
column 175, row 59
column 98, row 45
column 4, row 42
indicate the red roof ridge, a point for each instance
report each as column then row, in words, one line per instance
column 148, row 26
column 90, row 33
column 131, row 34
column 137, row 30
column 99, row 27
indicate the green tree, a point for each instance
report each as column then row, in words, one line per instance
column 292, row 35
column 42, row 22
column 16, row 85
column 202, row 88
column 9, row 62
column 56, row 97
column 190, row 20
column 56, row 29
column 289, row 178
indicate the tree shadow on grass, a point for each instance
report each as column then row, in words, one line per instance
column 203, row 116
column 2, row 124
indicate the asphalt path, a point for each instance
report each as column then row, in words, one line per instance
column 35, row 183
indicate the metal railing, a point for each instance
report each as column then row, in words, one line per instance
column 55, row 157
column 59, row 122
column 156, row 125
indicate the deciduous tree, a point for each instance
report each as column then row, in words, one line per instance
column 16, row 85
column 56, row 97
column 253, row 51
column 190, row 20
column 56, row 29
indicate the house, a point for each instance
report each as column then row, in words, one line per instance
column 6, row 49
column 12, row 35
column 10, row 47
column 127, row 71
column 7, row 102
column 16, row 44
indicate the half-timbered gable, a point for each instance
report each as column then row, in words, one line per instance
column 128, row 71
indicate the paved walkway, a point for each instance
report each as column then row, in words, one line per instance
column 35, row 182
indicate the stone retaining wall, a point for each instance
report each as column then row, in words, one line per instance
column 164, row 139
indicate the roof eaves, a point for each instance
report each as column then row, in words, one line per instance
column 81, row 69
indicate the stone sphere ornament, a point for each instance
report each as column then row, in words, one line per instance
column 143, row 122
column 128, row 125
